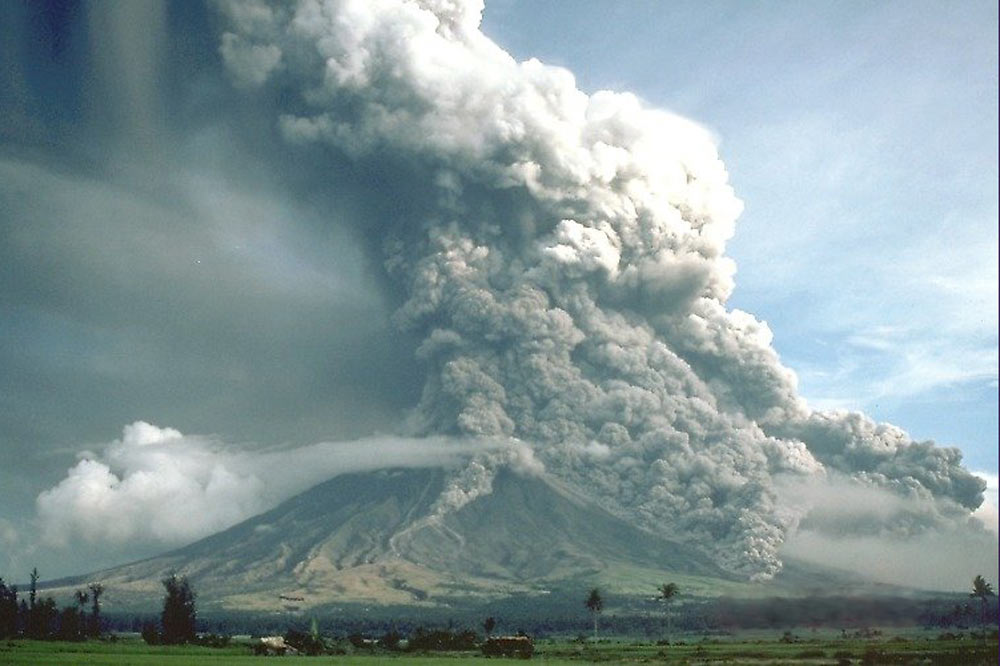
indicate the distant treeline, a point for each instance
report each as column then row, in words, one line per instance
column 559, row 614
column 40, row 619
column 622, row 617
column 845, row 612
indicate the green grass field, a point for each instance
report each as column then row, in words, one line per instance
column 922, row 651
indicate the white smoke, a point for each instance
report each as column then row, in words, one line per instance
column 905, row 539
column 562, row 255
column 158, row 486
column 988, row 513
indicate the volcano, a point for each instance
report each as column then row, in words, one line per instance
column 372, row 538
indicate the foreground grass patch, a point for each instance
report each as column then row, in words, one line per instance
column 925, row 652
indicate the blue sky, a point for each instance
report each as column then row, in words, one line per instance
column 862, row 138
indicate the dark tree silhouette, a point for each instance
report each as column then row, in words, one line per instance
column 70, row 626
column 22, row 616
column 81, row 597
column 46, row 613
column 667, row 592
column 96, row 590
column 983, row 591
column 595, row 605
column 179, row 615
column 34, row 624
column 489, row 625
column 8, row 610
column 33, row 589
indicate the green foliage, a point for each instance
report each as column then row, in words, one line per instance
column 178, row 618
column 441, row 640
column 72, row 625
column 983, row 591
column 390, row 640
column 150, row 634
column 731, row 650
column 594, row 602
column 8, row 610
column 42, row 619
column 33, row 589
column 668, row 591
column 310, row 643
column 96, row 590
column 810, row 654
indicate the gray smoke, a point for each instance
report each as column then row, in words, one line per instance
column 561, row 255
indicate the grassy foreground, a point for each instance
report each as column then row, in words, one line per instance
column 826, row 652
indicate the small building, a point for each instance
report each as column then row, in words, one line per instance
column 273, row 646
column 509, row 646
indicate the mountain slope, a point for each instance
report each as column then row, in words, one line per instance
column 368, row 538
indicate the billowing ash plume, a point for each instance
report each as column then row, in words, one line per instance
column 562, row 257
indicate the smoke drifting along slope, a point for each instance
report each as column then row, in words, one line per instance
column 562, row 257
column 157, row 484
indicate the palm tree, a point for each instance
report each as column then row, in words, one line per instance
column 81, row 603
column 667, row 592
column 595, row 605
column 96, row 590
column 982, row 591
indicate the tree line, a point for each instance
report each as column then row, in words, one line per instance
column 30, row 616
column 40, row 619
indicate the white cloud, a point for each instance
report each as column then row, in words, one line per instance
column 931, row 561
column 9, row 536
column 988, row 513
column 158, row 486
column 909, row 541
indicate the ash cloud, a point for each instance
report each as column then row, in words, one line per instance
column 561, row 255
column 851, row 524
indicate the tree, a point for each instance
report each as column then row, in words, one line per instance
column 81, row 598
column 150, row 633
column 45, row 616
column 489, row 625
column 96, row 590
column 69, row 625
column 178, row 617
column 595, row 605
column 23, row 616
column 33, row 620
column 33, row 589
column 667, row 592
column 73, row 619
column 8, row 610
column 983, row 591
